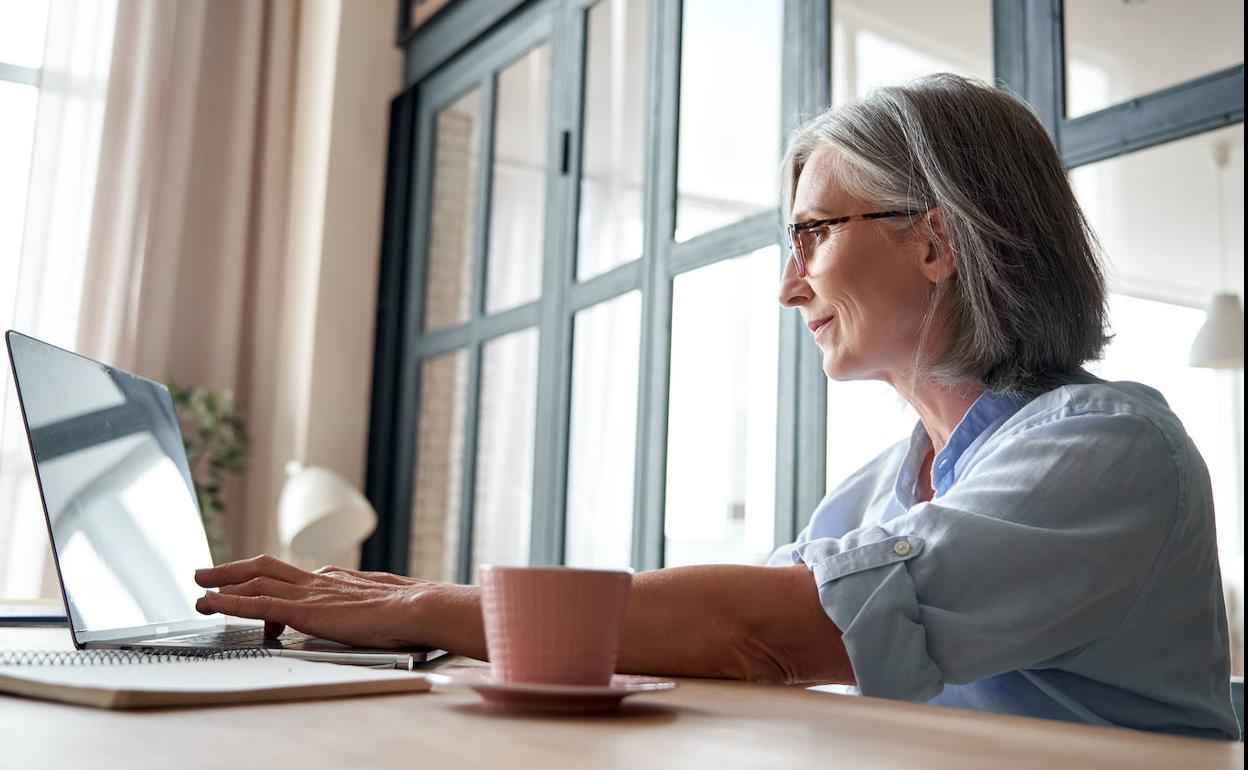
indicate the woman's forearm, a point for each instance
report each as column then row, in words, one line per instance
column 732, row 621
column 728, row 621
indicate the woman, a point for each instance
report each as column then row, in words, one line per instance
column 1043, row 544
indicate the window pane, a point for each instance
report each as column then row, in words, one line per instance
column 505, row 422
column 22, row 32
column 456, row 154
column 721, row 441
column 439, row 467
column 888, row 42
column 1184, row 247
column 865, row 417
column 518, row 194
column 611, row 174
column 603, row 433
column 1118, row 51
column 729, row 113
column 17, row 130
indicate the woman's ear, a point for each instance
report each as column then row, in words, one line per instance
column 937, row 262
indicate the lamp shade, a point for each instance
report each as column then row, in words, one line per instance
column 321, row 518
column 1220, row 342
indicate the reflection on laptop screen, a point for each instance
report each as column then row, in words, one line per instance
column 116, row 488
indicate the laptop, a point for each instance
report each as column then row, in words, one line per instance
column 121, row 509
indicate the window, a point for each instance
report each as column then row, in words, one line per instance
column 603, row 442
column 21, row 55
column 721, row 436
column 457, row 155
column 891, row 42
column 54, row 60
column 518, row 187
column 504, row 466
column 604, row 375
column 477, row 352
column 610, row 221
column 18, row 102
column 729, row 109
column 1118, row 51
column 438, row 474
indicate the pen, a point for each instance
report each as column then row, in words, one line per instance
column 376, row 659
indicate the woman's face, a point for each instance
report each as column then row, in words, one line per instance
column 867, row 286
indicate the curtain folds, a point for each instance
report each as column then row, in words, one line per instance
column 188, row 256
column 223, row 239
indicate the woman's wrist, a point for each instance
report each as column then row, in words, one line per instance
column 447, row 616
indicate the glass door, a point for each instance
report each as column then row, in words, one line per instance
column 483, row 181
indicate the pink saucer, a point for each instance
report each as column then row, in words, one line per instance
column 548, row 698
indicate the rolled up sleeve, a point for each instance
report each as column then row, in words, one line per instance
column 1038, row 551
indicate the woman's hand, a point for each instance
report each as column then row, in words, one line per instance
column 364, row 609
column 723, row 620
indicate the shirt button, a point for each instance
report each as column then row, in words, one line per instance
column 901, row 548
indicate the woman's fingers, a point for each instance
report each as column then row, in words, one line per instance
column 344, row 605
column 378, row 577
column 264, row 608
column 266, row 586
column 242, row 571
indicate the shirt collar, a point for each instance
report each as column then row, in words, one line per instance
column 905, row 488
column 987, row 414
column 984, row 416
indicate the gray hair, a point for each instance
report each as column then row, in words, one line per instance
column 1027, row 299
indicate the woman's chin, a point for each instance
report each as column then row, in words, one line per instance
column 834, row 366
column 840, row 367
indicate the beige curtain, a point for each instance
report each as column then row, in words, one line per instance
column 188, row 265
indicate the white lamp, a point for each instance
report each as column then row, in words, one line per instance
column 321, row 518
column 1220, row 342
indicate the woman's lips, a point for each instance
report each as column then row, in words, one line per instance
column 818, row 324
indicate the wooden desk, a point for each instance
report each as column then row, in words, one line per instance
column 703, row 724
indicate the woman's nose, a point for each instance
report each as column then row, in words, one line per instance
column 794, row 290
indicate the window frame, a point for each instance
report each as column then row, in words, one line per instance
column 1028, row 58
column 16, row 73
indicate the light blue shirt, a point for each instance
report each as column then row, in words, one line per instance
column 1067, row 567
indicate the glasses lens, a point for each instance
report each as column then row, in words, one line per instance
column 796, row 248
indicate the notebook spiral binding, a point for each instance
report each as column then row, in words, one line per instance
column 120, row 657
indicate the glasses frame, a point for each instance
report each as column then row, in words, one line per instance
column 794, row 229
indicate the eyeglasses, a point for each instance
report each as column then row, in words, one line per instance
column 803, row 236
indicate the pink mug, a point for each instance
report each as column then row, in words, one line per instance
column 553, row 625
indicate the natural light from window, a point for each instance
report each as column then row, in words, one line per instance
column 54, row 64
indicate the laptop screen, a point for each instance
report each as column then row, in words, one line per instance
column 116, row 488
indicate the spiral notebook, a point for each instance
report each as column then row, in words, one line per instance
column 120, row 679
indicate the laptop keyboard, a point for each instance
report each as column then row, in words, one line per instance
column 232, row 638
